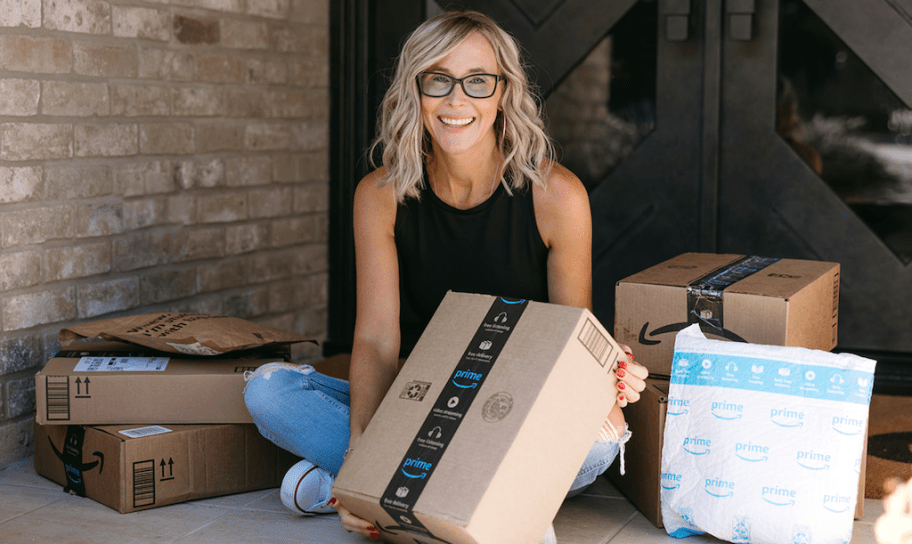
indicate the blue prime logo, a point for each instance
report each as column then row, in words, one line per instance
column 467, row 375
column 787, row 418
column 813, row 460
column 727, row 410
column 416, row 465
column 697, row 446
column 837, row 503
column 670, row 480
column 73, row 474
column 848, row 426
column 679, row 406
column 719, row 488
column 778, row 496
column 754, row 453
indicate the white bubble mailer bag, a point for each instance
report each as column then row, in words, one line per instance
column 763, row 444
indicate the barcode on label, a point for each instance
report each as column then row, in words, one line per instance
column 57, row 391
column 594, row 340
column 143, row 483
column 145, row 431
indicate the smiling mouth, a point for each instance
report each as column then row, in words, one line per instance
column 451, row 122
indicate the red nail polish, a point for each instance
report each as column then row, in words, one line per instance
column 620, row 397
column 621, row 385
column 621, row 373
column 372, row 529
column 332, row 502
column 375, row 535
column 622, row 364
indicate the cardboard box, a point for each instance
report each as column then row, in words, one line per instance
column 132, row 468
column 486, row 426
column 643, row 476
column 784, row 302
column 98, row 383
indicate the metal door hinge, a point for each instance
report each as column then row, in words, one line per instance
column 741, row 19
column 677, row 20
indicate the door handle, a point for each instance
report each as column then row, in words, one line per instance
column 741, row 19
column 677, row 20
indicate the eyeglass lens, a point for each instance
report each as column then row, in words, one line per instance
column 475, row 85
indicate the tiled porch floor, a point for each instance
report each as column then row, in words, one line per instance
column 33, row 509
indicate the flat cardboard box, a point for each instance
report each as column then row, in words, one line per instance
column 96, row 383
column 486, row 426
column 642, row 480
column 146, row 466
column 788, row 302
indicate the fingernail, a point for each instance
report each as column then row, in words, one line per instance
column 621, row 373
column 375, row 535
column 332, row 502
column 622, row 364
column 620, row 397
column 372, row 529
column 621, row 385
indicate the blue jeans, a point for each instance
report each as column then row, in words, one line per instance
column 306, row 413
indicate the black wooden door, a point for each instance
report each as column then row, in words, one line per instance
column 774, row 200
column 710, row 172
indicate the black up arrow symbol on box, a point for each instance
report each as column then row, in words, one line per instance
column 170, row 469
column 79, row 394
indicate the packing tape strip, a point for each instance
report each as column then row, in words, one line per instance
column 704, row 296
column 446, row 414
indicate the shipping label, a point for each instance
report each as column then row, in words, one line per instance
column 121, row 364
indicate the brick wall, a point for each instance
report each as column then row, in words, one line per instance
column 157, row 155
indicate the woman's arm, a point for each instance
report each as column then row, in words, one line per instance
column 375, row 353
column 565, row 224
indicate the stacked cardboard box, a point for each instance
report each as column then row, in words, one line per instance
column 134, row 427
column 130, row 467
column 786, row 302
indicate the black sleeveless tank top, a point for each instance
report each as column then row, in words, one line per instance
column 494, row 248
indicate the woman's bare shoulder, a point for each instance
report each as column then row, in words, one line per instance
column 563, row 190
column 372, row 190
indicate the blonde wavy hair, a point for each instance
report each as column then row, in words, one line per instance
column 405, row 144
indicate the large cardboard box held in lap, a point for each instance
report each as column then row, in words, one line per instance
column 130, row 467
column 96, row 383
column 783, row 302
column 486, row 426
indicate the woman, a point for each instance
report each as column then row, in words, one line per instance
column 467, row 200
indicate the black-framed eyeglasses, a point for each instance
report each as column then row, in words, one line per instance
column 435, row 84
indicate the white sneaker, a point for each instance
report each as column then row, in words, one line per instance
column 307, row 488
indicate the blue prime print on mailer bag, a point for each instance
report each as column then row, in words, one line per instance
column 763, row 444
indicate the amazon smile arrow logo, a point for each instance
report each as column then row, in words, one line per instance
column 676, row 327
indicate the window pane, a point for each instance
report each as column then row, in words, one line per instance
column 850, row 128
column 606, row 106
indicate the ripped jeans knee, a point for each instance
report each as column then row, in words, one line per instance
column 300, row 410
column 601, row 455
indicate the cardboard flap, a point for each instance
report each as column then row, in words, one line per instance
column 194, row 334
column 782, row 279
column 682, row 270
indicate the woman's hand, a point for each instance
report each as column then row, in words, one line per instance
column 352, row 523
column 631, row 379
